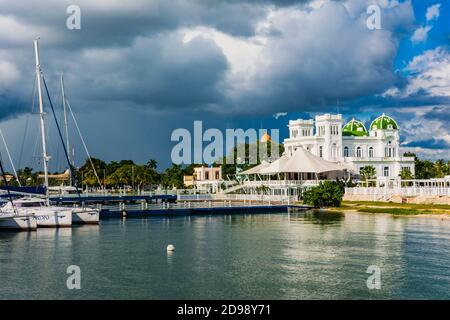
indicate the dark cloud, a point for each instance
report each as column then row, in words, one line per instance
column 429, row 144
column 439, row 113
column 162, row 72
column 132, row 58
column 12, row 105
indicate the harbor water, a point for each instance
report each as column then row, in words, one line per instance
column 307, row 255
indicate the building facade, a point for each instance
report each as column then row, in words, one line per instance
column 352, row 144
column 207, row 179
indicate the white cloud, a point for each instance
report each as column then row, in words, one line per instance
column 8, row 73
column 425, row 153
column 14, row 31
column 240, row 52
column 304, row 61
column 421, row 34
column 433, row 12
column 427, row 74
column 430, row 72
column 279, row 114
column 423, row 129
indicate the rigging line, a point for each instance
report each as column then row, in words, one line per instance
column 36, row 146
column 84, row 144
column 6, row 186
column 9, row 157
column 60, row 136
column 33, row 101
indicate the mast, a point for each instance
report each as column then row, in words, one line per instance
column 65, row 125
column 9, row 157
column 46, row 158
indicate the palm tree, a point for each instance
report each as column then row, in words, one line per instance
column 441, row 168
column 406, row 174
column 368, row 172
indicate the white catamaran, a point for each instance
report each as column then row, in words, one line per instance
column 36, row 211
column 40, row 210
column 17, row 221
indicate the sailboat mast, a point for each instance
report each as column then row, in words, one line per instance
column 65, row 124
column 41, row 114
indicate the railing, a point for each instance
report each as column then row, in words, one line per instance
column 280, row 183
column 239, row 198
column 205, row 203
column 401, row 191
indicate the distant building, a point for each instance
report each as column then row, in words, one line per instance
column 265, row 138
column 65, row 176
column 7, row 177
column 328, row 138
column 205, row 179
column 188, row 181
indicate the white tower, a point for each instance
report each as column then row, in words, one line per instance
column 329, row 127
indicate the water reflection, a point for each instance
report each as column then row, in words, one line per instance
column 323, row 217
column 311, row 255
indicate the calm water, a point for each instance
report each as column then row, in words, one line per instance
column 278, row 256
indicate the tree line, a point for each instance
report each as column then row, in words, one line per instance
column 424, row 169
column 114, row 174
column 118, row 174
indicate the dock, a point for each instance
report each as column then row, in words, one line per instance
column 143, row 206
column 210, row 209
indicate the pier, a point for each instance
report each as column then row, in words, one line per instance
column 135, row 206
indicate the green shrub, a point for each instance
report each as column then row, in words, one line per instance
column 326, row 194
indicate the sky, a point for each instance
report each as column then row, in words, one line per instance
column 135, row 71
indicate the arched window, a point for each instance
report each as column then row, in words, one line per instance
column 358, row 152
column 346, row 152
column 371, row 152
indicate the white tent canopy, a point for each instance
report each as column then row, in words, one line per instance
column 256, row 169
column 301, row 161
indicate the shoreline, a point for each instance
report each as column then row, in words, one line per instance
column 441, row 212
column 442, row 216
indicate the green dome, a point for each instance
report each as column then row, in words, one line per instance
column 384, row 122
column 354, row 128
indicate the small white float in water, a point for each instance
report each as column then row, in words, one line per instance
column 170, row 247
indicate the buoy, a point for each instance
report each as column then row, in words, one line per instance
column 170, row 247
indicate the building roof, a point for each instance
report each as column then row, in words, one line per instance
column 265, row 138
column 256, row 169
column 384, row 122
column 354, row 128
column 301, row 161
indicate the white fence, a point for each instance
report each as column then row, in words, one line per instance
column 403, row 191
column 246, row 198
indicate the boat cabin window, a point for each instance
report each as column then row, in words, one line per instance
column 28, row 204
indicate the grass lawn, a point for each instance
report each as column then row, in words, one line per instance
column 395, row 208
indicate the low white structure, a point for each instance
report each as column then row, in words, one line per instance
column 435, row 191
column 290, row 174
column 352, row 143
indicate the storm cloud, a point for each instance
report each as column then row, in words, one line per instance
column 209, row 60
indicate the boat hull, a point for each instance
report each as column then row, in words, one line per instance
column 25, row 223
column 85, row 216
column 53, row 219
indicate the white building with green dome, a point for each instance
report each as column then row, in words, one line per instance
column 352, row 143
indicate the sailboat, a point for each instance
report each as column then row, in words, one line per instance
column 11, row 221
column 15, row 219
column 44, row 214
column 84, row 215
